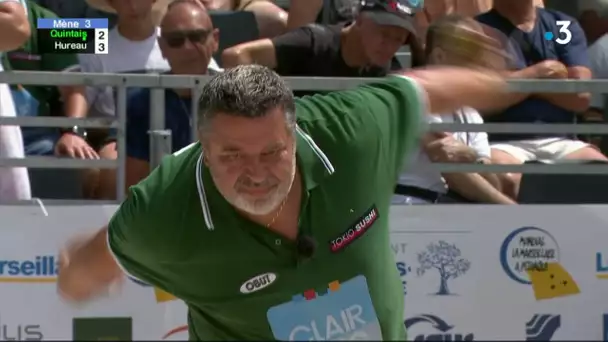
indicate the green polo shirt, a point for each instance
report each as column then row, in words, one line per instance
column 242, row 281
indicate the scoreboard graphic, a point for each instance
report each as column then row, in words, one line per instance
column 64, row 35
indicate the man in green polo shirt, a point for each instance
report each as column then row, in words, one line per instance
column 272, row 226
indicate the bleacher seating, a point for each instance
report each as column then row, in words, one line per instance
column 56, row 183
column 564, row 189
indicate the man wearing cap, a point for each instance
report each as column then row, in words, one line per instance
column 362, row 48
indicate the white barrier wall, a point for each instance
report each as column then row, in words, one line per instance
column 464, row 270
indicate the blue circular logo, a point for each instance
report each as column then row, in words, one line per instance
column 548, row 35
column 527, row 248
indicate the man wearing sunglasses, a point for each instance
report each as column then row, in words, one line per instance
column 187, row 40
column 363, row 48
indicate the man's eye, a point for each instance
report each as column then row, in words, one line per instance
column 273, row 153
column 230, row 157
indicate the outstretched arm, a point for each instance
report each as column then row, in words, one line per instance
column 89, row 266
column 448, row 88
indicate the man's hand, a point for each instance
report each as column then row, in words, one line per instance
column 83, row 273
column 443, row 147
column 551, row 69
column 74, row 146
column 70, row 289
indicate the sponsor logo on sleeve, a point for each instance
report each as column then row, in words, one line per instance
column 360, row 227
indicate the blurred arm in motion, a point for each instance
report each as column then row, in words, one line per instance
column 87, row 267
column 450, row 88
column 90, row 265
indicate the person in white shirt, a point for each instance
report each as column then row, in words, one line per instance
column 132, row 48
column 417, row 185
column 598, row 54
column 15, row 28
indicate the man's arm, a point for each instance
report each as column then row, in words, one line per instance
column 87, row 268
column 303, row 12
column 14, row 25
column 283, row 53
column 127, row 244
column 576, row 102
column 474, row 186
column 574, row 55
column 396, row 105
column 450, row 88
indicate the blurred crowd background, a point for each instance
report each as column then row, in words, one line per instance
column 333, row 38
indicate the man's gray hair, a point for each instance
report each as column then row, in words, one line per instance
column 249, row 91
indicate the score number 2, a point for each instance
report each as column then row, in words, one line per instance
column 101, row 41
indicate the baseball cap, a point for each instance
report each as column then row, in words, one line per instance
column 398, row 13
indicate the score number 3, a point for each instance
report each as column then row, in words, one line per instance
column 101, row 41
column 564, row 32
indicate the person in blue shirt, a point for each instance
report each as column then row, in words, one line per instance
column 188, row 41
column 545, row 44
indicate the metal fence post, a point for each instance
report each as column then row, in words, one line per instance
column 121, row 142
column 160, row 139
column 196, row 94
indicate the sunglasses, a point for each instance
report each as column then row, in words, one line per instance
column 177, row 39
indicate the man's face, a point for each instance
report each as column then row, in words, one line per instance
column 381, row 42
column 132, row 9
column 252, row 160
column 188, row 40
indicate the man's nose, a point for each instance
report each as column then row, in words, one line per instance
column 255, row 170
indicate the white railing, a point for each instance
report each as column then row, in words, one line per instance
column 160, row 142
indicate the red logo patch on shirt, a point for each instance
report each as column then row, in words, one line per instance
column 355, row 231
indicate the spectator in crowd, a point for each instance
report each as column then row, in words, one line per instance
column 536, row 57
column 304, row 12
column 14, row 182
column 592, row 15
column 598, row 50
column 435, row 9
column 133, row 47
column 364, row 48
column 271, row 19
column 34, row 100
column 420, row 186
column 187, row 40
